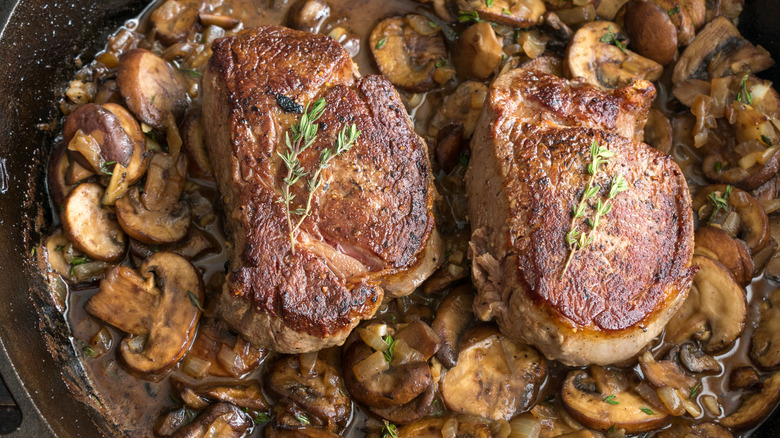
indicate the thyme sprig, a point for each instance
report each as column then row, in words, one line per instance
column 611, row 38
column 576, row 239
column 300, row 137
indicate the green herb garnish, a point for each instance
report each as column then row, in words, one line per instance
column 389, row 430
column 303, row 135
column 441, row 63
column 611, row 400
column 720, row 202
column 194, row 300
column 767, row 141
column 381, row 43
column 718, row 166
column 90, row 352
column 191, row 72
column 390, row 348
column 466, row 16
column 489, row 3
column 505, row 11
column 303, row 419
column 105, row 167
column 611, row 38
column 576, row 239
column 744, row 95
column 261, row 418
column 674, row 10
column 694, row 391
column 647, row 411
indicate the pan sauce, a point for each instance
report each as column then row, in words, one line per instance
column 136, row 404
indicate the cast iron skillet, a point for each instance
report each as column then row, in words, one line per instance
column 39, row 42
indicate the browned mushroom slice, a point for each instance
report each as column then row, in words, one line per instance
column 420, row 337
column 715, row 310
column 549, row 64
column 69, row 263
column 308, row 15
column 195, row 245
column 244, row 394
column 744, row 378
column 223, row 21
column 90, row 226
column 462, row 107
column 765, row 349
column 157, row 216
column 373, row 380
column 304, row 432
column 96, row 139
column 318, row 391
column 680, row 16
column 451, row 425
column 702, row 430
column 494, row 377
column 193, row 144
column 614, row 404
column 651, row 31
column 733, row 254
column 696, row 361
column 55, row 174
column 719, row 50
column 407, row 57
column 150, row 87
column 409, row 412
column 519, row 14
column 734, row 211
column 158, row 306
column 478, row 52
column 662, row 373
column 453, row 318
column 755, row 407
column 658, row 131
column 174, row 20
column 594, row 56
column 222, row 420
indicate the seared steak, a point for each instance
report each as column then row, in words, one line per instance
column 371, row 229
column 527, row 173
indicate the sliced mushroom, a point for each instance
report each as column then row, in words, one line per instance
column 194, row 145
column 744, row 378
column 158, row 307
column 96, row 138
column 409, row 412
column 515, row 13
column 407, row 57
column 449, row 146
column 461, row 107
column 733, row 254
column 55, row 174
column 70, row 264
column 195, row 245
column 662, row 373
column 318, row 391
column 453, row 318
column 658, row 131
column 378, row 383
column 222, row 420
column 593, row 55
column 549, row 64
column 451, row 425
column 696, row 361
column 157, row 216
column 756, row 407
column 613, row 404
column 650, row 30
column 494, row 377
column 150, row 87
column 171, row 420
column 174, row 20
column 478, row 51
column 308, row 15
column 244, row 394
column 703, row 430
column 752, row 223
column 90, row 226
column 715, row 310
column 719, row 50
column 681, row 19
column 765, row 349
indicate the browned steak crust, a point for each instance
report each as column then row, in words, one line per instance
column 528, row 173
column 372, row 217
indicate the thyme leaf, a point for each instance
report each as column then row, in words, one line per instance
column 611, row 400
column 611, row 38
column 390, row 352
column 389, row 430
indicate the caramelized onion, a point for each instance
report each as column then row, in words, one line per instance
column 525, row 427
column 370, row 366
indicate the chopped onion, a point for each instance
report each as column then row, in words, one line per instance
column 422, row 25
column 307, row 363
column 370, row 366
column 87, row 146
column 372, row 339
column 573, row 17
column 443, row 74
column 544, row 412
column 450, row 428
column 691, row 407
column 135, row 344
column 173, row 138
column 648, row 393
column 771, row 205
column 500, row 429
column 193, row 400
column 711, row 403
column 231, row 361
column 671, row 400
column 731, row 224
column 525, row 427
column 403, row 353
column 768, row 153
column 220, row 427
column 101, row 342
column 749, row 160
column 195, row 367
column 89, row 270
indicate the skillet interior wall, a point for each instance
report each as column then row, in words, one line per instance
column 40, row 41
